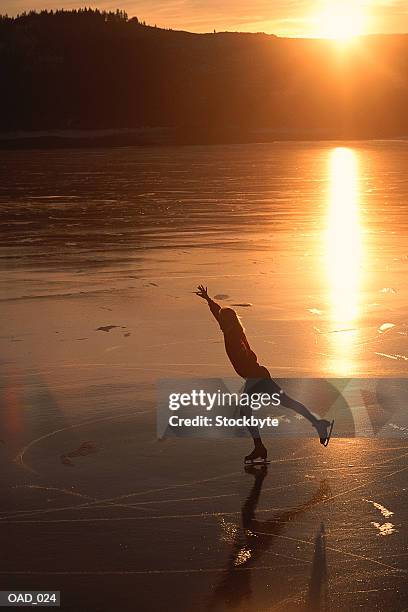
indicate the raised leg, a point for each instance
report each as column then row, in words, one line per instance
column 322, row 426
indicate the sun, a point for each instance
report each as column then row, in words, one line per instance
column 341, row 20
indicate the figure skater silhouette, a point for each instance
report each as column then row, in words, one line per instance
column 257, row 377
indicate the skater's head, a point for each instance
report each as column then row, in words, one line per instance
column 229, row 320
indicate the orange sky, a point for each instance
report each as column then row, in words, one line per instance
column 282, row 17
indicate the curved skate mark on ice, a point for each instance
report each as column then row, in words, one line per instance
column 121, row 519
column 299, row 559
column 158, row 490
column 19, row 459
column 197, row 515
column 114, row 500
column 367, row 482
column 214, row 514
column 43, row 488
column 338, row 550
column 396, row 357
column 101, row 504
column 94, row 503
column 199, row 570
column 206, row 570
column 54, row 490
column 365, row 591
column 364, row 467
column 16, row 513
column 282, row 604
column 212, row 497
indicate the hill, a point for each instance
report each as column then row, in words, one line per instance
column 91, row 70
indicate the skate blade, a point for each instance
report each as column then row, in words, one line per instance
column 327, row 440
column 250, row 462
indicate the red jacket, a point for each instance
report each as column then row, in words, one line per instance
column 242, row 357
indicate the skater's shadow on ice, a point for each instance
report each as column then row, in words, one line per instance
column 254, row 537
column 316, row 600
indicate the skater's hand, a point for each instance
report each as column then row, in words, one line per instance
column 202, row 292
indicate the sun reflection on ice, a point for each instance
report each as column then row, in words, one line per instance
column 343, row 255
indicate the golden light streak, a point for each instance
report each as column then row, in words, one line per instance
column 343, row 255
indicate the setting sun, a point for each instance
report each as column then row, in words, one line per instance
column 341, row 20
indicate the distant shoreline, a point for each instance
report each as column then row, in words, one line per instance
column 91, row 78
column 158, row 136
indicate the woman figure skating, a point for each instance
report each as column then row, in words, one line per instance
column 245, row 363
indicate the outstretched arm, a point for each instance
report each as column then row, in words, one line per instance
column 214, row 307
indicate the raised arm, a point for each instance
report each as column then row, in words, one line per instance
column 214, row 307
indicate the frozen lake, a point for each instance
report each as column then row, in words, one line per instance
column 101, row 251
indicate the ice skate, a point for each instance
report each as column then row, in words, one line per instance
column 324, row 429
